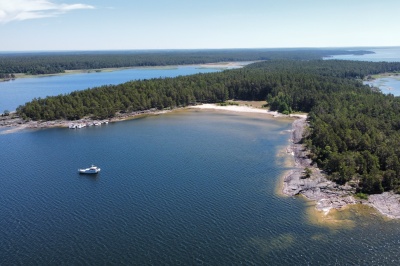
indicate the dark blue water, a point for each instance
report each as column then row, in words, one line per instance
column 17, row 92
column 186, row 188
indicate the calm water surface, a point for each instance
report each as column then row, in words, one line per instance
column 184, row 188
column 388, row 54
column 187, row 188
column 17, row 92
column 386, row 85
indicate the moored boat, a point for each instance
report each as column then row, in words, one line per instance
column 91, row 170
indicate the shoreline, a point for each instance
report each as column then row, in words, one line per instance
column 16, row 124
column 382, row 75
column 325, row 194
column 245, row 107
column 217, row 65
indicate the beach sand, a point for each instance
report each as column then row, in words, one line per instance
column 324, row 194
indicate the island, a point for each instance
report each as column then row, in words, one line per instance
column 346, row 150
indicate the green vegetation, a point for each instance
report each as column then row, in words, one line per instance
column 228, row 103
column 7, row 76
column 361, row 195
column 307, row 172
column 51, row 62
column 354, row 130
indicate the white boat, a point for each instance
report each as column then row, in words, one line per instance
column 91, row 170
column 75, row 126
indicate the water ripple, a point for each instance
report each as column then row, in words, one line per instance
column 185, row 189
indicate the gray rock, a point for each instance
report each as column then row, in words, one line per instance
column 328, row 194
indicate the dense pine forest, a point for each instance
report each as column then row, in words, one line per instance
column 57, row 62
column 354, row 130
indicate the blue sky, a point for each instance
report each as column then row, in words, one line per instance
column 27, row 25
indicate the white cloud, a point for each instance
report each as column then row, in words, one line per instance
column 11, row 10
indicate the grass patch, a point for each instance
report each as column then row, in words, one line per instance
column 361, row 195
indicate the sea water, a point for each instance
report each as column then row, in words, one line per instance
column 388, row 54
column 21, row 90
column 183, row 188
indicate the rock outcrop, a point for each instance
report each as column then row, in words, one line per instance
column 317, row 187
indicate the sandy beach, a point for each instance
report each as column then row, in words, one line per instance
column 248, row 107
column 14, row 123
column 326, row 194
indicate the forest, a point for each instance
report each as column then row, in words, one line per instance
column 353, row 133
column 57, row 62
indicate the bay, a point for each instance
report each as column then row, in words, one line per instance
column 21, row 90
column 189, row 187
column 386, row 85
column 387, row 54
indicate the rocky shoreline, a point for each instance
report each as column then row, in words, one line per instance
column 327, row 194
column 15, row 123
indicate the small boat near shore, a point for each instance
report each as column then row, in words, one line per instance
column 91, row 170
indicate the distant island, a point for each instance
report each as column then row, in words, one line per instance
column 44, row 63
column 352, row 131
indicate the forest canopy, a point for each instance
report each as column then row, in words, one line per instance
column 354, row 130
column 57, row 62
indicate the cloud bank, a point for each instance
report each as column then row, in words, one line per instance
column 11, row 10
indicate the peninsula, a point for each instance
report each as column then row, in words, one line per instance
column 352, row 131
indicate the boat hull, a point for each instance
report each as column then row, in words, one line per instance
column 89, row 171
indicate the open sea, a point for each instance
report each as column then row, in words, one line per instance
column 190, row 187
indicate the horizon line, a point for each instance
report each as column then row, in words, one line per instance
column 195, row 49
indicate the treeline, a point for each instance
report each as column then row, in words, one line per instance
column 7, row 76
column 52, row 62
column 354, row 130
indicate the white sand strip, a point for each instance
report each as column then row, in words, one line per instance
column 244, row 109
